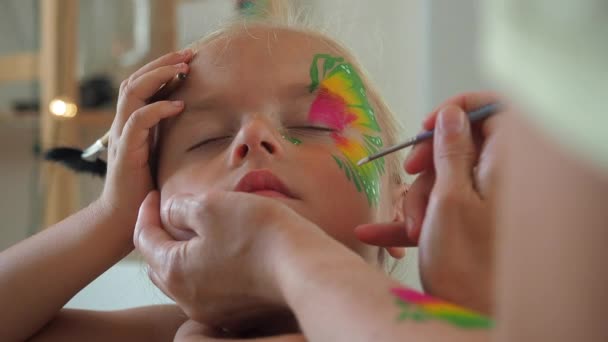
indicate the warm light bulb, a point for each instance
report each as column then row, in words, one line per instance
column 63, row 108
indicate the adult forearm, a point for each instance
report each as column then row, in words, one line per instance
column 40, row 274
column 338, row 297
column 554, row 287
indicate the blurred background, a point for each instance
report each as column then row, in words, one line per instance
column 419, row 52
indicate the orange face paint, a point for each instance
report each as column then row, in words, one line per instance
column 342, row 104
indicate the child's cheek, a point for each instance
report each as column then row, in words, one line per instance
column 342, row 105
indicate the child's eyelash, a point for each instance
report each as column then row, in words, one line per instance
column 311, row 129
column 207, row 141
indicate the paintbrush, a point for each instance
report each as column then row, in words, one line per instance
column 473, row 116
column 88, row 161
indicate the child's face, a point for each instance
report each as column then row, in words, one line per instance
column 249, row 98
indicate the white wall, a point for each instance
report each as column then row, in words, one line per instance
column 388, row 37
column 453, row 49
column 125, row 285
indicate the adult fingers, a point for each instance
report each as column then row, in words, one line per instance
column 454, row 153
column 183, row 212
column 416, row 202
column 421, row 156
column 489, row 165
column 396, row 252
column 149, row 237
column 467, row 102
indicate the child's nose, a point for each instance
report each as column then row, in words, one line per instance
column 256, row 139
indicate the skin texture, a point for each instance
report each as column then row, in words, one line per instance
column 341, row 104
column 356, row 297
column 248, row 93
column 247, row 134
column 449, row 208
column 553, row 288
column 72, row 253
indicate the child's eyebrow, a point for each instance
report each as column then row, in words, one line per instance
column 199, row 108
column 203, row 104
column 296, row 89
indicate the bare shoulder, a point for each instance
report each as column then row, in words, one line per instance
column 148, row 323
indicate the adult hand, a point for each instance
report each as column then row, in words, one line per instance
column 450, row 207
column 225, row 274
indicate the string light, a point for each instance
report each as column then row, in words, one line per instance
column 63, row 108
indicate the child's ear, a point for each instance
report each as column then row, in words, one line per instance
column 398, row 198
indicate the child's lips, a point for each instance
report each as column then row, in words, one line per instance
column 269, row 193
column 264, row 183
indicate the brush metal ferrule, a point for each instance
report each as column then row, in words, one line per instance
column 92, row 152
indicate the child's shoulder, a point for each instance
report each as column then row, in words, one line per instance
column 147, row 323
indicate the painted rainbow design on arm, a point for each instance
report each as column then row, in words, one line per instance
column 342, row 105
column 421, row 307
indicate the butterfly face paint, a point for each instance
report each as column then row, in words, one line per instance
column 420, row 307
column 342, row 104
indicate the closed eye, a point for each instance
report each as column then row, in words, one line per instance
column 314, row 130
column 210, row 141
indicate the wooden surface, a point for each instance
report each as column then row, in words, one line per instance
column 19, row 67
column 57, row 72
column 58, row 60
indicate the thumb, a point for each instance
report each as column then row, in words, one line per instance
column 454, row 149
column 152, row 241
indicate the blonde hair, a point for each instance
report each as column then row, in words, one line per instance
column 284, row 15
column 279, row 14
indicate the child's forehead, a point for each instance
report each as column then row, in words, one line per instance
column 260, row 52
column 248, row 67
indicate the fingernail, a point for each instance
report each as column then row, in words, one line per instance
column 177, row 103
column 451, row 120
column 409, row 225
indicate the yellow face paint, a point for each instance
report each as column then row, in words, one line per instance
column 342, row 105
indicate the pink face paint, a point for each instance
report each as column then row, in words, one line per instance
column 421, row 307
column 331, row 110
column 341, row 104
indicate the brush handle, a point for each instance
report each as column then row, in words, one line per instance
column 473, row 116
column 105, row 139
column 167, row 88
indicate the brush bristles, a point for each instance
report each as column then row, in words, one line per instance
column 72, row 159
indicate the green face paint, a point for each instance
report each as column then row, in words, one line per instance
column 253, row 8
column 292, row 140
column 342, row 104
column 421, row 307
